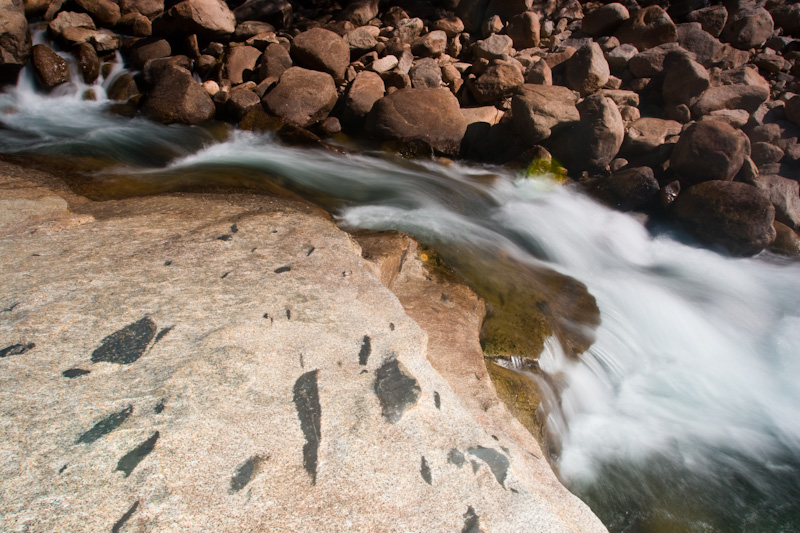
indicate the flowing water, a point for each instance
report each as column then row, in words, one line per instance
column 684, row 415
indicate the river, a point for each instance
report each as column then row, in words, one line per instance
column 683, row 415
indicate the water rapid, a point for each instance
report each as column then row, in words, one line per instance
column 684, row 415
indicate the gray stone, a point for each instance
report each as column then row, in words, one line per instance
column 619, row 56
column 493, row 47
column 426, row 73
column 599, row 134
column 587, row 70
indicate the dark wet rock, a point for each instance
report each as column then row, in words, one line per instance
column 365, row 351
column 16, row 349
column 15, row 40
column 89, row 62
column 105, row 426
column 364, row 91
column 73, row 373
column 155, row 68
column 126, row 345
column 712, row 19
column 51, row 69
column 241, row 62
column 746, row 97
column 524, row 30
column 124, row 518
column 497, row 82
column 105, row 12
column 159, row 407
column 177, row 97
column 430, row 117
column 496, row 461
column 684, row 79
column 397, row 391
column 539, row 109
column 472, row 522
column 146, row 50
column 306, row 401
column 323, row 50
column 587, row 70
column 605, row 19
column 244, row 473
column 425, row 471
column 748, row 28
column 124, row 88
column 455, row 457
column 734, row 216
column 787, row 17
column 598, row 135
column 426, row 74
column 273, row 62
column 494, row 47
column 302, row 96
column 647, row 28
column 709, row 150
column 647, row 134
column 132, row 459
column 633, row 188
column 207, row 18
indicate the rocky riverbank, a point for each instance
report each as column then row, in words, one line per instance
column 202, row 362
column 685, row 111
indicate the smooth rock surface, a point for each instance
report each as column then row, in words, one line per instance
column 302, row 96
column 15, row 40
column 538, row 109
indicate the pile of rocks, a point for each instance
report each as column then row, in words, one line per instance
column 683, row 109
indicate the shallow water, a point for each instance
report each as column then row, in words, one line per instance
column 684, row 415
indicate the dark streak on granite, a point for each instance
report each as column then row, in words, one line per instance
column 425, row 471
column 471, row 522
column 73, row 373
column 310, row 251
column 225, row 237
column 437, row 400
column 10, row 308
column 396, row 390
column 497, row 462
column 281, row 270
column 163, row 333
column 125, row 517
column 159, row 408
column 127, row 344
column 16, row 349
column 131, row 459
column 244, row 473
column 455, row 457
column 366, row 349
column 105, row 426
column 306, row 400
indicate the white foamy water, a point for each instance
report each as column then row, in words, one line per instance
column 688, row 400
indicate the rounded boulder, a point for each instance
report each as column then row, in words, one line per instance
column 302, row 96
column 709, row 150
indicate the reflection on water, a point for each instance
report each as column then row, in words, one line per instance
column 684, row 413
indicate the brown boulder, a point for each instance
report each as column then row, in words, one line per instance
column 793, row 109
column 15, row 40
column 647, row 28
column 207, row 18
column 425, row 73
column 747, row 97
column 498, row 82
column 360, row 12
column 365, row 90
column 684, row 79
column 149, row 8
column 431, row 117
column 587, row 70
column 136, row 24
column 734, row 216
column 748, row 28
column 105, row 12
column 49, row 67
column 646, row 134
column 524, row 30
column 88, row 62
column 787, row 242
column 177, row 97
column 431, row 44
column 273, row 62
column 598, row 135
column 709, row 150
column 712, row 19
column 302, row 96
column 604, row 20
column 146, row 49
column 632, row 188
column 493, row 47
column 536, row 110
column 692, row 37
column 323, row 50
column 240, row 60
column 784, row 194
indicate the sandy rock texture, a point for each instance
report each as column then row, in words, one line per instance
column 236, row 363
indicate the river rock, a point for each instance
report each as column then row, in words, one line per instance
column 712, row 19
column 524, row 30
column 605, row 19
column 647, row 28
column 207, row 18
column 278, row 12
column 784, row 193
column 587, row 70
column 650, row 63
column 748, row 28
column 787, row 18
column 746, row 97
column 15, row 40
column 135, row 24
column 734, row 216
column 105, row 12
column 426, row 73
column 177, row 97
column 619, row 56
column 323, row 50
column 693, row 38
column 498, row 82
column 241, row 61
column 428, row 116
column 362, row 40
column 302, row 96
column 146, row 49
column 537, row 110
column 273, row 62
column 149, row 8
column 684, row 79
column 633, row 188
column 51, row 69
column 360, row 12
column 364, row 91
column 787, row 242
column 598, row 135
column 451, row 25
column 168, row 411
column 793, row 109
column 493, row 47
column 646, row 134
column 432, row 44
column 709, row 150
column 89, row 63
column 72, row 28
column 241, row 101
